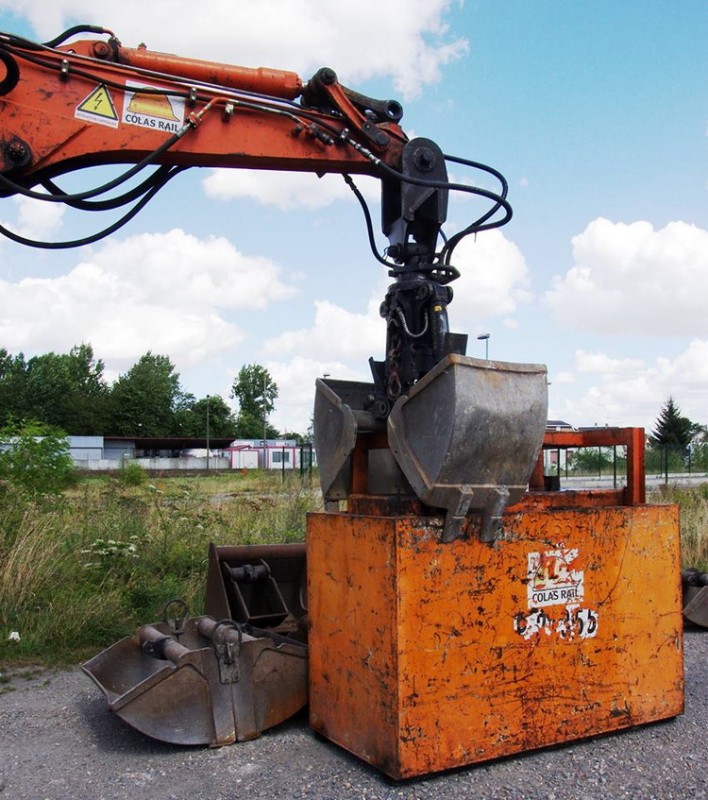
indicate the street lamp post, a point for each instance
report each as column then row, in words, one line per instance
column 207, row 431
column 265, row 424
column 485, row 337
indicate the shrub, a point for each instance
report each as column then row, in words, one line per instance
column 34, row 458
column 131, row 474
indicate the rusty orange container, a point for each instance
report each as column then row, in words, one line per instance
column 426, row 656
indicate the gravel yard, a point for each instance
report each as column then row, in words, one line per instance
column 58, row 741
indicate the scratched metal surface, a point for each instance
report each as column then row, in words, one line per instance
column 426, row 656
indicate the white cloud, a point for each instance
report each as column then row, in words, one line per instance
column 285, row 190
column 634, row 279
column 296, row 387
column 630, row 392
column 337, row 334
column 169, row 293
column 602, row 364
column 182, row 270
column 406, row 40
column 36, row 219
column 494, row 279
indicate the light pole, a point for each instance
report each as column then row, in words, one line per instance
column 207, row 431
column 265, row 412
column 485, row 337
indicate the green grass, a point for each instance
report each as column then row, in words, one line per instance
column 81, row 571
column 693, row 504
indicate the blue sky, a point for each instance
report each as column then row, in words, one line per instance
column 597, row 113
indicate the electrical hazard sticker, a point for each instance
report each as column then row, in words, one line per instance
column 147, row 107
column 98, row 107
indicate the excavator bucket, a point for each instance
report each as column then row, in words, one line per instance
column 695, row 597
column 193, row 680
column 262, row 585
column 465, row 438
column 211, row 682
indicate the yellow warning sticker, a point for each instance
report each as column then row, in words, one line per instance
column 146, row 107
column 98, row 107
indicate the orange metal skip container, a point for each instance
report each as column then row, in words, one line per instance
column 426, row 656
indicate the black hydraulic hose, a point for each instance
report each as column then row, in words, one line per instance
column 134, row 170
column 15, row 237
column 367, row 218
column 480, row 224
column 57, row 40
column 160, row 177
column 498, row 199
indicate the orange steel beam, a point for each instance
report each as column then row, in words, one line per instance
column 70, row 109
column 631, row 438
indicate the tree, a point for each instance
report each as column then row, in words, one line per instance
column 672, row 428
column 191, row 417
column 221, row 420
column 64, row 390
column 13, row 386
column 145, row 399
column 590, row 460
column 255, row 391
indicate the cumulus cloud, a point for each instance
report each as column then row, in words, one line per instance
column 635, row 279
column 336, row 334
column 631, row 391
column 35, row 219
column 494, row 279
column 603, row 364
column 296, row 387
column 406, row 40
column 285, row 190
column 170, row 293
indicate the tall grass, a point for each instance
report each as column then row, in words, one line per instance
column 80, row 571
column 693, row 504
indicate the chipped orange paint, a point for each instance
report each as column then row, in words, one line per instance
column 426, row 656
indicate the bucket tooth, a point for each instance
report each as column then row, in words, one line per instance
column 465, row 439
column 468, row 435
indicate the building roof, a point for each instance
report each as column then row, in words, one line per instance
column 172, row 442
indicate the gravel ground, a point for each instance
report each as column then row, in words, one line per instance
column 58, row 741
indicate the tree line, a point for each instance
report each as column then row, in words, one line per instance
column 69, row 391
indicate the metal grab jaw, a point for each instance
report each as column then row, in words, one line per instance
column 216, row 684
column 694, row 584
column 197, row 681
column 464, row 440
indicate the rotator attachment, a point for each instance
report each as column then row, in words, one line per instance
column 464, row 439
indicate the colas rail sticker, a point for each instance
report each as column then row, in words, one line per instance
column 553, row 579
column 146, row 109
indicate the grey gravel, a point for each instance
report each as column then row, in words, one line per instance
column 58, row 741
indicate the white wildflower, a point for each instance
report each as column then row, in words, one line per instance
column 14, row 636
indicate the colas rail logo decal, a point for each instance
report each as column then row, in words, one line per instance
column 554, row 579
column 148, row 108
